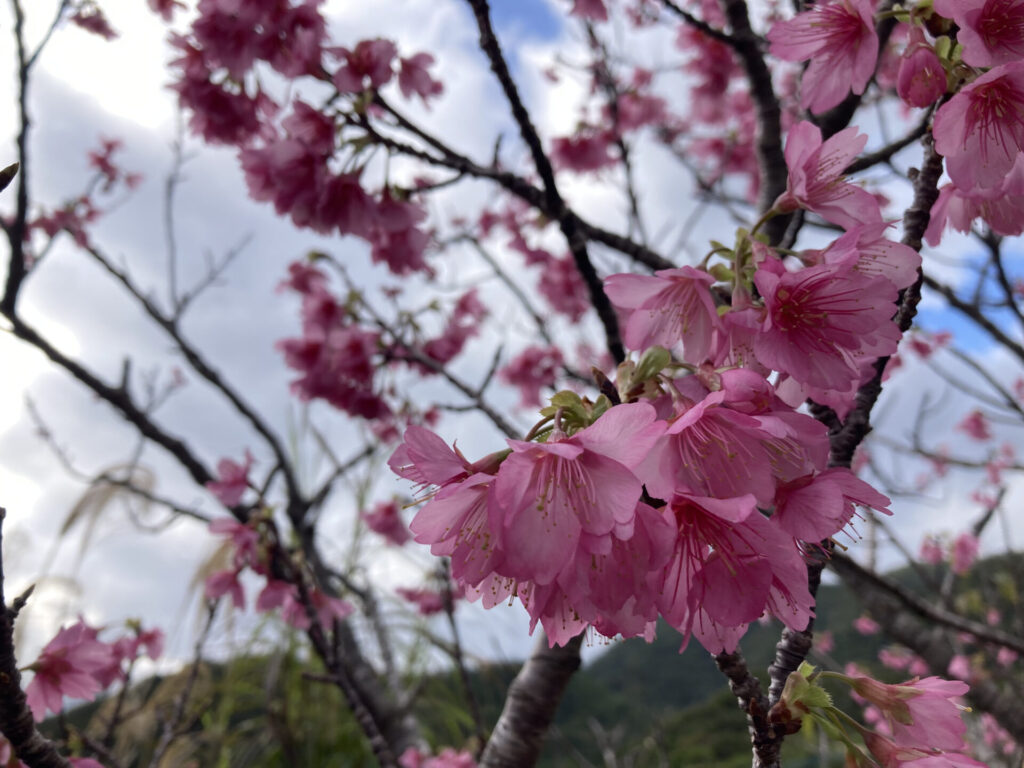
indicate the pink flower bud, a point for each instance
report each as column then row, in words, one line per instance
column 922, row 78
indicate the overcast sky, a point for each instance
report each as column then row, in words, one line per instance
column 85, row 89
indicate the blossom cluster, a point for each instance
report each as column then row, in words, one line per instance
column 78, row 664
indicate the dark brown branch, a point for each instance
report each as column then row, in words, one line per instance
column 766, row 742
column 771, row 162
column 297, row 505
column 976, row 315
column 885, row 154
column 120, row 399
column 517, row 185
column 16, row 722
column 567, row 223
column 699, row 24
column 926, row 610
column 15, row 230
column 530, row 705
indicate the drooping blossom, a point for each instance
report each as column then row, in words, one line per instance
column 840, row 41
column 963, row 553
column 866, row 249
column 821, row 322
column 593, row 10
column 90, row 17
column 991, row 31
column 549, row 494
column 931, row 551
column 1001, row 207
column 368, row 65
column 232, row 480
column 816, row 182
column 975, row 426
column 463, row 324
column 813, row 508
column 891, row 754
column 384, row 518
column 866, row 625
column 583, row 152
column 530, row 371
column 415, row 80
column 921, row 80
column 736, row 440
column 674, row 305
column 427, row 601
column 980, row 131
column 67, row 666
column 225, row 582
column 919, row 713
column 730, row 565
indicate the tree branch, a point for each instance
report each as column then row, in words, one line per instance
column 567, row 223
column 530, row 705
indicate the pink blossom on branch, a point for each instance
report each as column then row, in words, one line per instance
column 840, row 41
column 816, row 182
column 384, row 519
column 67, row 666
column 991, row 31
column 921, row 80
column 414, row 79
column 530, row 371
column 980, row 131
column 232, row 481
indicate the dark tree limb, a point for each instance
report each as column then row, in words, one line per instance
column 771, row 162
column 530, row 705
column 566, row 222
column 765, row 740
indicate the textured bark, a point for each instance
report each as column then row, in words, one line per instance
column 530, row 705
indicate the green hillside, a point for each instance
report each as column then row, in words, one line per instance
column 648, row 703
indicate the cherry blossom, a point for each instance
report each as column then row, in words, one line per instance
column 67, row 666
column 840, row 41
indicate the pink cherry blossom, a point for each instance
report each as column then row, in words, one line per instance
column 840, row 41
column 870, row 253
column 67, row 666
column 89, row 17
column 593, row 10
column 673, row 306
column 730, row 565
column 920, row 713
column 232, row 482
column 384, row 518
column 225, row 582
column 821, row 322
column 530, row 371
column 964, row 552
column 427, row 601
column 548, row 494
column 921, row 80
column 979, row 131
column 814, row 508
column 815, row 180
column 166, row 9
column 931, row 551
column 414, row 79
column 976, row 426
column 991, row 31
column 866, row 625
column 584, row 152
column 560, row 283
column 457, row 523
column 367, row 65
